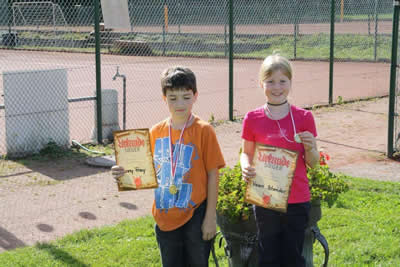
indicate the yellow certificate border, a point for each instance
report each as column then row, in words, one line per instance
column 145, row 134
column 262, row 178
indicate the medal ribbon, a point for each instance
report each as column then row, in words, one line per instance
column 277, row 121
column 174, row 163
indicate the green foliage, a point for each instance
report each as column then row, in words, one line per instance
column 339, row 100
column 232, row 189
column 52, row 150
column 326, row 185
column 212, row 118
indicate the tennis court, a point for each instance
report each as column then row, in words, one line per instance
column 144, row 103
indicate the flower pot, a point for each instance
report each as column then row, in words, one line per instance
column 313, row 233
column 315, row 213
column 241, row 241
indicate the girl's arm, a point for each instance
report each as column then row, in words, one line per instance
column 311, row 154
column 246, row 160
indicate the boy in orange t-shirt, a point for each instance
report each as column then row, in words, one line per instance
column 187, row 158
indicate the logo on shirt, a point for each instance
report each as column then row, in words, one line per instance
column 162, row 162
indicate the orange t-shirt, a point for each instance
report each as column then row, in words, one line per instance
column 198, row 154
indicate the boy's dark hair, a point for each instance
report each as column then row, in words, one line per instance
column 176, row 78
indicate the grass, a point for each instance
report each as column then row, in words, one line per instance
column 362, row 228
column 51, row 35
column 363, row 17
column 317, row 46
column 313, row 47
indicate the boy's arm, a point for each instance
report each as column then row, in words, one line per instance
column 209, row 226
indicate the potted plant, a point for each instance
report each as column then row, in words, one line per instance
column 235, row 217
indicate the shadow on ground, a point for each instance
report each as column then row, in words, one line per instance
column 63, row 168
column 8, row 240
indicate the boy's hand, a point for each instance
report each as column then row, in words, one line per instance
column 209, row 228
column 116, row 172
column 248, row 173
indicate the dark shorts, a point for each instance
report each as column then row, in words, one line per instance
column 185, row 246
column 281, row 235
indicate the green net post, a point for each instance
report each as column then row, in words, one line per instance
column 231, row 60
column 98, row 71
column 393, row 67
column 331, row 55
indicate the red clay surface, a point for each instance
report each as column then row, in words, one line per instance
column 145, row 106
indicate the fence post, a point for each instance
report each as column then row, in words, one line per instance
column 376, row 30
column 98, row 71
column 9, row 17
column 331, row 54
column 225, row 26
column 164, row 26
column 295, row 27
column 393, row 66
column 231, row 60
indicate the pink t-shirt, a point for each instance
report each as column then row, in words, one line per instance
column 257, row 127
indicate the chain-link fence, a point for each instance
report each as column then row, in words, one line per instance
column 54, row 42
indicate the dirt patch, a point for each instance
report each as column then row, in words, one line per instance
column 42, row 201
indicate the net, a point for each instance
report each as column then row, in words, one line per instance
column 37, row 14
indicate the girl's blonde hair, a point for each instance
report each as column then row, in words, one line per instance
column 273, row 63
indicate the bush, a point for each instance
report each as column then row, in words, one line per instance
column 324, row 186
column 231, row 194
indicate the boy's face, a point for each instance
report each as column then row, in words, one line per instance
column 180, row 102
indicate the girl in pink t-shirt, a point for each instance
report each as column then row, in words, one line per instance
column 280, row 124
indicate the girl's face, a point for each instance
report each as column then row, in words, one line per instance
column 277, row 87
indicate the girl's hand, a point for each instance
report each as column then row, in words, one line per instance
column 248, row 173
column 308, row 140
column 117, row 172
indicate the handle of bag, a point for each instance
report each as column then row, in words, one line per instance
column 322, row 240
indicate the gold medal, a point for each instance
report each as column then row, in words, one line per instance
column 173, row 190
column 297, row 138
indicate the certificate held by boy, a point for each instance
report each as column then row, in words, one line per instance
column 133, row 152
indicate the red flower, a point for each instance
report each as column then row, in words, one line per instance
column 323, row 158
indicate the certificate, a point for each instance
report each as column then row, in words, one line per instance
column 133, row 153
column 274, row 175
